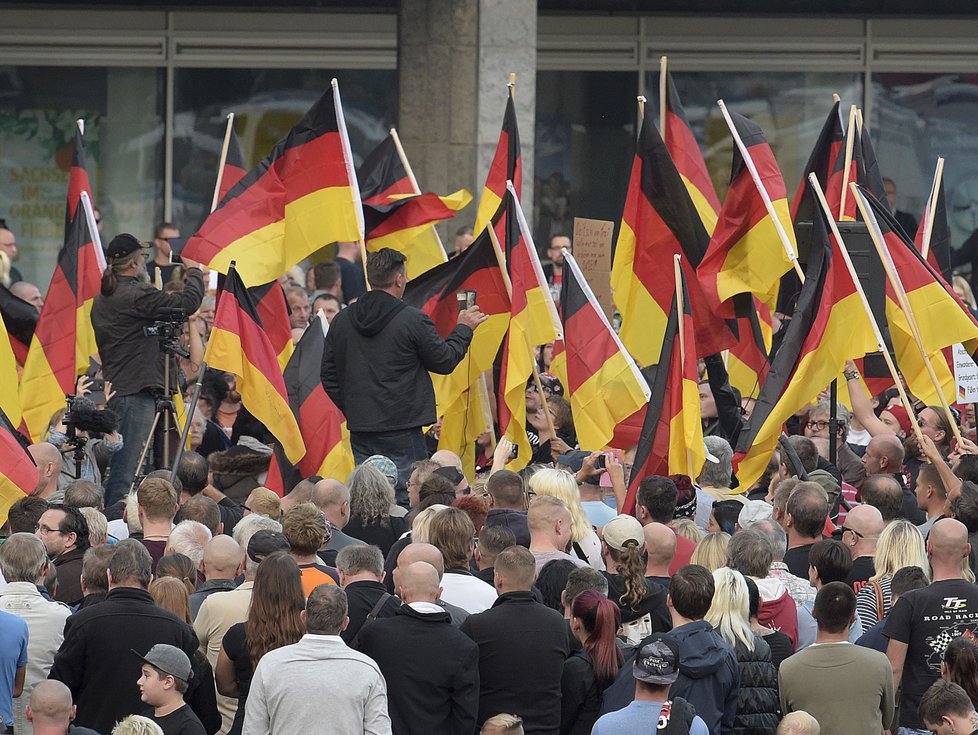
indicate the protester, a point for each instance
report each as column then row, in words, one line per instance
column 779, row 643
column 371, row 498
column 551, row 530
column 553, row 483
column 655, row 502
column 157, row 500
column 799, row 723
column 222, row 563
column 492, row 541
column 332, row 498
column 800, row 589
column 830, row 561
column 884, row 493
column 711, row 551
column 507, row 503
column 804, row 521
column 425, row 552
column 50, row 711
column 861, row 534
column 304, row 527
column 660, row 550
column 361, row 569
column 451, row 531
column 960, row 666
column 900, row 545
column 165, row 676
column 94, row 577
column 931, row 496
column 946, row 709
column 332, row 675
column 188, row 538
column 904, row 580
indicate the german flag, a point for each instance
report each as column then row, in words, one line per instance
column 746, row 254
column 301, row 197
column 383, row 177
column 63, row 339
column 234, row 167
column 869, row 172
column 748, row 362
column 9, row 399
column 821, row 162
column 18, row 473
column 659, row 221
column 671, row 441
column 939, row 250
column 940, row 316
column 20, row 321
column 828, row 327
column 686, row 154
column 239, row 344
column 533, row 321
column 507, row 165
column 273, row 311
column 603, row 382
column 458, row 395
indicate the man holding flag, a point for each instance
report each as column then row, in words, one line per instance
column 376, row 362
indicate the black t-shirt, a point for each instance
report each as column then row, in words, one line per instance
column 181, row 722
column 927, row 620
column 862, row 569
column 797, row 560
column 236, row 648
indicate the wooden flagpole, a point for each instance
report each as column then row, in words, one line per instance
column 877, row 333
column 748, row 161
column 641, row 113
column 836, row 98
column 680, row 311
column 931, row 208
column 663, row 79
column 222, row 160
column 414, row 182
column 351, row 173
column 850, row 141
column 876, row 234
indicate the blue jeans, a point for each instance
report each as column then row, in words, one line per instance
column 403, row 448
column 135, row 414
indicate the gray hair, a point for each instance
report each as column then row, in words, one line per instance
column 325, row 609
column 749, row 553
column 584, row 579
column 371, row 495
column 717, row 474
column 22, row 557
column 842, row 413
column 360, row 558
column 98, row 525
column 131, row 563
column 776, row 538
column 83, row 494
column 248, row 527
column 189, row 538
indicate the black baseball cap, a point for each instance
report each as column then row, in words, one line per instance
column 265, row 543
column 125, row 244
column 657, row 661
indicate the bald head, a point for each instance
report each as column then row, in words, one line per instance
column 888, row 448
column 544, row 511
column 947, row 543
column 865, row 519
column 222, row 557
column 447, row 458
column 421, row 552
column 330, row 493
column 50, row 704
column 660, row 541
column 418, row 582
column 44, row 452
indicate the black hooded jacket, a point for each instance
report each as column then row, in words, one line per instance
column 378, row 354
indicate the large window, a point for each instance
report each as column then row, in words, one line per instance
column 123, row 113
column 266, row 104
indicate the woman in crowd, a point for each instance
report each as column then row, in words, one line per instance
column 587, row 672
column 559, row 484
column 757, row 698
column 711, row 551
column 178, row 567
column 960, row 666
column 273, row 621
column 371, row 497
column 777, row 641
column 900, row 545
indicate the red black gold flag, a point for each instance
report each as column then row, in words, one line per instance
column 298, row 199
column 671, row 441
column 18, row 473
column 748, row 361
column 746, row 254
column 273, row 310
column 9, row 399
column 659, row 221
column 459, row 397
column 939, row 250
column 63, row 339
column 382, row 176
column 20, row 320
column 239, row 344
column 507, row 165
column 603, row 382
column 686, row 154
column 828, row 327
column 234, row 166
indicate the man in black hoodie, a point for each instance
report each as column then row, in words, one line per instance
column 378, row 354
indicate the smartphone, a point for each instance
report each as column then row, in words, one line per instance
column 515, row 453
column 469, row 299
column 462, row 299
column 600, row 464
column 97, row 385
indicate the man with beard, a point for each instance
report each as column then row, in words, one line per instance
column 131, row 359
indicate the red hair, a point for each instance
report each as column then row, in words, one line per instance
column 601, row 619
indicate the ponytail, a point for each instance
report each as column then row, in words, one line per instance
column 110, row 278
column 961, row 662
column 600, row 618
column 631, row 564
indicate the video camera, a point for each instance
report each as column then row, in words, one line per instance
column 83, row 415
column 169, row 328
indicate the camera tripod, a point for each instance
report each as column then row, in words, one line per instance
column 73, row 439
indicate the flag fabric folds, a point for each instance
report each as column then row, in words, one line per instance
column 273, row 310
column 659, row 221
column 748, row 361
column 20, row 319
column 9, row 398
column 603, row 382
column 234, row 166
column 238, row 344
column 533, row 321
column 507, row 165
column 298, row 199
column 939, row 250
column 18, row 473
column 685, row 152
column 821, row 162
column 746, row 254
column 63, row 339
column 671, row 441
column 828, row 327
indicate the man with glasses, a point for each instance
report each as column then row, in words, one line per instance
column 554, row 270
column 849, row 464
column 862, row 530
column 164, row 260
column 64, row 533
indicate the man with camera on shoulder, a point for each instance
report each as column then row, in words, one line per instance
column 132, row 359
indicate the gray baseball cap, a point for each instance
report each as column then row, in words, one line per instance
column 168, row 659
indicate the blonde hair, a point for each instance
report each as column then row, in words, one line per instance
column 503, row 724
column 798, row 722
column 969, row 295
column 730, row 610
column 900, row 545
column 136, row 725
column 422, row 522
column 562, row 485
column 4, row 268
column 98, row 526
column 711, row 552
column 686, row 528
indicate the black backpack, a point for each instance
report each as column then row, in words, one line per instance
column 676, row 717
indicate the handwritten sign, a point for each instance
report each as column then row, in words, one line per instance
column 965, row 376
column 592, row 251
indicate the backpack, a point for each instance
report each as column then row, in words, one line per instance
column 676, row 717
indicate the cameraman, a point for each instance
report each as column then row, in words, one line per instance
column 131, row 360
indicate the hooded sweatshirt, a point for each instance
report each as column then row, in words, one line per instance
column 709, row 676
column 778, row 610
column 376, row 361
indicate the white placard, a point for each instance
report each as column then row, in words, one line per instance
column 965, row 376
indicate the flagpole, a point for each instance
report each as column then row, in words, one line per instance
column 414, row 182
column 880, row 343
column 351, row 173
column 894, row 277
column 681, row 331
column 222, row 160
column 641, row 113
column 850, row 141
column 509, row 289
column 749, row 162
column 932, row 207
column 663, row 77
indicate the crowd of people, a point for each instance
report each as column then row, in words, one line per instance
column 835, row 595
